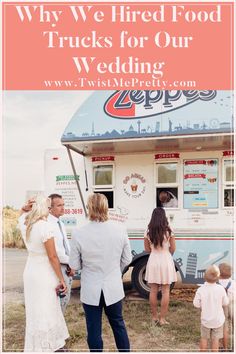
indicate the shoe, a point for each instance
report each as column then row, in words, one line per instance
column 164, row 322
column 155, row 323
column 62, row 350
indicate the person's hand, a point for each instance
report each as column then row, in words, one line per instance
column 72, row 273
column 28, row 206
column 63, row 287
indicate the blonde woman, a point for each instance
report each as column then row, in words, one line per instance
column 101, row 251
column 46, row 329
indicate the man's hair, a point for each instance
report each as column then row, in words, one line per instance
column 97, row 205
column 225, row 270
column 212, row 274
column 54, row 196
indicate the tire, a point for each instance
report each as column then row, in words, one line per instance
column 139, row 282
column 137, row 277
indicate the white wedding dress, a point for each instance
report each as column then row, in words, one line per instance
column 46, row 329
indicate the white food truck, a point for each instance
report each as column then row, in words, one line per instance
column 133, row 146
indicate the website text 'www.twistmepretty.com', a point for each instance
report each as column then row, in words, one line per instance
column 115, row 83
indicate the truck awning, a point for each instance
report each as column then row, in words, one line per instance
column 166, row 144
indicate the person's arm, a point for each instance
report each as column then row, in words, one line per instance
column 147, row 246
column 53, row 259
column 27, row 207
column 23, row 213
column 126, row 256
column 231, row 291
column 63, row 258
column 21, row 224
column 75, row 262
column 172, row 247
column 197, row 300
column 225, row 299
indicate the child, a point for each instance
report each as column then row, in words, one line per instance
column 226, row 281
column 160, row 270
column 211, row 298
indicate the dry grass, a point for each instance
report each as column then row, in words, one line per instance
column 11, row 234
column 13, row 327
column 181, row 335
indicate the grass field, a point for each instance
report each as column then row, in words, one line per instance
column 181, row 335
column 11, row 234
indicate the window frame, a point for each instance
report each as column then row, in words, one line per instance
column 227, row 184
column 103, row 186
column 168, row 184
column 99, row 188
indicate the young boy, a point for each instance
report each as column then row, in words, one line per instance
column 211, row 298
column 229, row 285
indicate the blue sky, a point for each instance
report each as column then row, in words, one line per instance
column 33, row 121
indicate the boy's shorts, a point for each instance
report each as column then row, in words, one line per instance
column 212, row 333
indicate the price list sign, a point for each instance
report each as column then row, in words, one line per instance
column 201, row 184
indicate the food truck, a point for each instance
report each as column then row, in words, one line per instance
column 144, row 149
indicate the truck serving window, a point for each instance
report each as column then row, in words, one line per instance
column 228, row 183
column 103, row 182
column 167, row 184
column 102, row 175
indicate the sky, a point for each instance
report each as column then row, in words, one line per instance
column 33, row 121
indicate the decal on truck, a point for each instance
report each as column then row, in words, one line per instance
column 146, row 103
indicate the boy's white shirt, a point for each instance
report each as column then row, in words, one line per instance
column 231, row 289
column 211, row 298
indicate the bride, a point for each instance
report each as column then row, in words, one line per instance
column 46, row 329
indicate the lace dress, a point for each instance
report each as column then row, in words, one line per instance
column 46, row 329
column 160, row 266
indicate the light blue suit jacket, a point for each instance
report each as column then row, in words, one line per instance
column 101, row 250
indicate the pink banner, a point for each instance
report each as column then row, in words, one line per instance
column 103, row 158
column 195, row 162
column 167, row 156
column 195, row 175
column 72, row 46
column 228, row 153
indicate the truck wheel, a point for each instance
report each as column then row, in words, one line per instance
column 138, row 281
column 137, row 277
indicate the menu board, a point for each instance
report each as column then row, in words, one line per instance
column 201, row 184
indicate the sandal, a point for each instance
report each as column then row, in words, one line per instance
column 164, row 322
column 155, row 323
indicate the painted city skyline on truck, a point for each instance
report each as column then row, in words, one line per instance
column 130, row 114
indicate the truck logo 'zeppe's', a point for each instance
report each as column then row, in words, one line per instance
column 146, row 103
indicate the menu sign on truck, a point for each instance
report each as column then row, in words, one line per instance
column 201, row 184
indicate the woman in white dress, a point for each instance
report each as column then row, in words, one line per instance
column 46, row 329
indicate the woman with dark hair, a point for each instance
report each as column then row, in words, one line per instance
column 160, row 272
